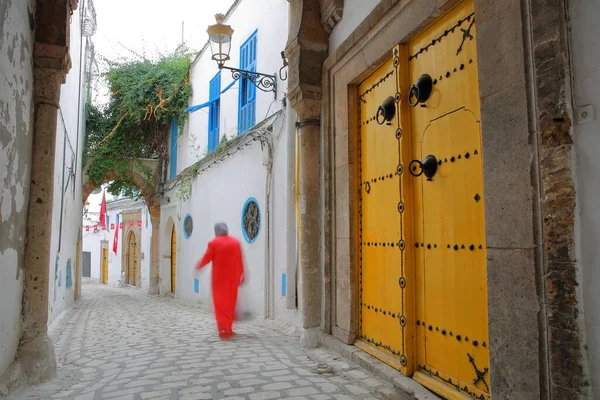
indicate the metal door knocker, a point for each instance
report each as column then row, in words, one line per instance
column 428, row 167
column 386, row 111
column 420, row 91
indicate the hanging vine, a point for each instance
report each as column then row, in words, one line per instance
column 145, row 96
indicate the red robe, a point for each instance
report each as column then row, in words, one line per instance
column 225, row 253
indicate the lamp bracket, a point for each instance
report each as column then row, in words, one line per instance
column 264, row 82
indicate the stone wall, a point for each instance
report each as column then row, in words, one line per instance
column 551, row 63
column 16, row 133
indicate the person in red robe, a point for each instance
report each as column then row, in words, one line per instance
column 225, row 253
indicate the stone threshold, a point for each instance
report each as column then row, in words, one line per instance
column 377, row 368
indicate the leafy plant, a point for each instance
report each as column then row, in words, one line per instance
column 145, row 96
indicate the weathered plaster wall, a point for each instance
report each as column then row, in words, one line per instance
column 16, row 125
column 585, row 34
column 67, row 211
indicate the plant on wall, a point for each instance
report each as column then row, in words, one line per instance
column 145, row 96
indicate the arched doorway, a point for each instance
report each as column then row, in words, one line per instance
column 131, row 259
column 173, row 260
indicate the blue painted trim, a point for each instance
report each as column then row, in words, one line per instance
column 196, row 286
column 251, row 199
column 247, row 91
column 195, row 108
column 283, row 284
column 229, row 86
column 183, row 226
column 173, row 154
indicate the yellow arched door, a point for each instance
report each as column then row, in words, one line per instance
column 173, row 260
column 131, row 259
column 104, row 266
column 422, row 305
column 452, row 353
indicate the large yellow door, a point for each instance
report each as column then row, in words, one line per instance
column 104, row 266
column 452, row 355
column 385, row 309
column 173, row 260
column 131, row 259
column 78, row 270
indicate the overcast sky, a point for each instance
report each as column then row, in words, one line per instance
column 152, row 26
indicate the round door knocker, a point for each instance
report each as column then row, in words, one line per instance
column 386, row 111
column 413, row 166
column 428, row 167
column 420, row 91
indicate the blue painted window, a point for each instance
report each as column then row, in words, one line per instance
column 247, row 102
column 214, row 97
column 173, row 158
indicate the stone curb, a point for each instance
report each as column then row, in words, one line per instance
column 378, row 368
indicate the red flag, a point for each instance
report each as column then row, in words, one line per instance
column 95, row 228
column 130, row 223
column 116, row 240
column 139, row 223
column 87, row 228
column 112, row 226
column 103, row 211
column 121, row 225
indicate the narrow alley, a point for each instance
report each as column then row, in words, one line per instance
column 119, row 343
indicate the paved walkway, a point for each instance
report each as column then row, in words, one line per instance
column 123, row 344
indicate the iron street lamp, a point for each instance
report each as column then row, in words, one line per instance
column 220, row 44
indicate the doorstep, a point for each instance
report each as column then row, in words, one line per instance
column 378, row 368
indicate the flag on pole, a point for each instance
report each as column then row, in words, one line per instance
column 116, row 239
column 103, row 211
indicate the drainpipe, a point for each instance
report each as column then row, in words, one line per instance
column 269, row 275
column 292, row 214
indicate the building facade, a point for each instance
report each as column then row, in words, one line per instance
column 120, row 254
column 454, row 216
column 234, row 161
column 41, row 131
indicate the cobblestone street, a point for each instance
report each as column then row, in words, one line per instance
column 124, row 344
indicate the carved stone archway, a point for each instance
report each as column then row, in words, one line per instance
column 150, row 195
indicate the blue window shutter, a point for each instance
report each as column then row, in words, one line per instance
column 173, row 157
column 214, row 96
column 247, row 101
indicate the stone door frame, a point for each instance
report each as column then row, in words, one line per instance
column 514, row 124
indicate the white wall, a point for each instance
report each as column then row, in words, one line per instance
column 219, row 193
column 248, row 16
column 586, row 70
column 355, row 11
column 92, row 242
column 16, row 132
column 67, row 189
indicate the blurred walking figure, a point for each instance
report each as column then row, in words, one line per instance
column 225, row 253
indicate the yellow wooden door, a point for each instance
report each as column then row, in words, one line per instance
column 386, row 305
column 104, row 266
column 452, row 355
column 173, row 260
column 78, row 270
column 131, row 259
